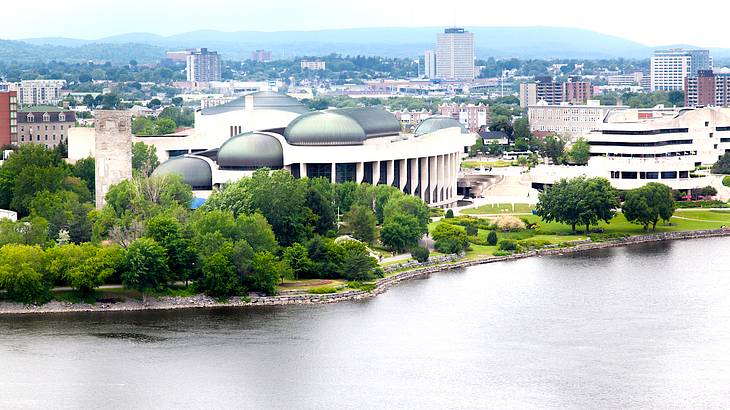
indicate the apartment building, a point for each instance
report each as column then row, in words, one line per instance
column 570, row 120
column 40, row 92
column 203, row 65
column 8, row 117
column 707, row 89
column 472, row 117
column 45, row 125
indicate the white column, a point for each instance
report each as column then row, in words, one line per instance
column 403, row 173
column 333, row 173
column 424, row 176
column 440, row 165
column 390, row 175
column 302, row 170
column 376, row 172
column 457, row 165
column 359, row 172
column 414, row 175
column 432, row 180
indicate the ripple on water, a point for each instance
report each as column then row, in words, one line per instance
column 132, row 337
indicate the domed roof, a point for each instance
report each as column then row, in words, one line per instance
column 438, row 122
column 261, row 100
column 345, row 126
column 194, row 171
column 251, row 150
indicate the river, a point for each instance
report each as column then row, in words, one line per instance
column 634, row 327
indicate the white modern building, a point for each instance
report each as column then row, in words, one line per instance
column 364, row 145
column 670, row 67
column 567, row 119
column 429, row 64
column 631, row 151
column 455, row 55
column 40, row 92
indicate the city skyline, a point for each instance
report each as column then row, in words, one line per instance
column 329, row 14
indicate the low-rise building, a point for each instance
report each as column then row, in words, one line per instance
column 312, row 65
column 45, row 125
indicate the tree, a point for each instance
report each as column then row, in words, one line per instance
column 220, row 278
column 257, row 232
column 648, row 204
column 31, row 169
column 85, row 169
column 580, row 152
column 361, row 222
column 578, row 200
column 357, row 264
column 495, row 148
column 492, row 238
column 502, row 123
column 144, row 158
column 450, row 238
column 63, row 211
column 521, row 128
column 400, row 232
column 554, row 148
column 321, row 200
column 297, row 257
column 722, row 166
column 166, row 126
column 477, row 148
column 147, row 266
column 420, row 254
column 21, row 273
column 266, row 272
column 167, row 231
column 449, row 214
column 410, row 205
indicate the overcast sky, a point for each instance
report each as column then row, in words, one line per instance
column 652, row 22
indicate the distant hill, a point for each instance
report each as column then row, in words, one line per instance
column 119, row 53
column 498, row 42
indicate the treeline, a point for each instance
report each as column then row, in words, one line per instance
column 247, row 237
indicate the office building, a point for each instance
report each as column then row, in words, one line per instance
column 472, row 117
column 429, row 64
column 567, row 120
column 47, row 125
column 577, row 92
column 542, row 89
column 8, row 117
column 707, row 89
column 40, row 92
column 203, row 66
column 455, row 55
column 363, row 145
column 261, row 56
column 669, row 68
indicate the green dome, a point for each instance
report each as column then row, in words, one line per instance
column 346, row 126
column 194, row 171
column 250, row 151
column 261, row 100
column 436, row 123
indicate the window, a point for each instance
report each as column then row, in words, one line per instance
column 46, row 117
column 30, row 118
column 61, row 117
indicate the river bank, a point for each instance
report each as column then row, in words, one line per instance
column 202, row 301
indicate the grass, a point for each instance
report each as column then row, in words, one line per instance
column 487, row 164
column 307, row 284
column 493, row 209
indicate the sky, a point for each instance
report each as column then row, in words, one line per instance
column 651, row 22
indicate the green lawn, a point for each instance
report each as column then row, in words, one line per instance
column 487, row 164
column 493, row 209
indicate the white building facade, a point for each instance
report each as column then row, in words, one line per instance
column 40, row 92
column 455, row 55
column 669, row 68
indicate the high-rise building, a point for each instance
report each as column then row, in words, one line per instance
column 669, row 68
column 577, row 92
column 8, row 117
column 203, row 65
column 261, row 56
column 455, row 54
column 40, row 92
column 542, row 89
column 429, row 64
column 178, row 56
column 707, row 89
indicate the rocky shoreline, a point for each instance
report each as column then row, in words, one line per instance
column 202, row 301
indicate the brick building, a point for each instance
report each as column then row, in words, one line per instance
column 45, row 125
column 707, row 89
column 8, row 117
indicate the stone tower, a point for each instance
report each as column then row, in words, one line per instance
column 113, row 134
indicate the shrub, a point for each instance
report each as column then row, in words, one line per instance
column 449, row 238
column 472, row 230
column 420, row 253
column 501, row 253
column 726, row 180
column 509, row 223
column 449, row 214
column 321, row 290
column 492, row 238
column 508, row 245
column 24, row 284
column 534, row 243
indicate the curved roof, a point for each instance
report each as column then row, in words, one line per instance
column 195, row 172
column 437, row 122
column 344, row 126
column 261, row 100
column 251, row 150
